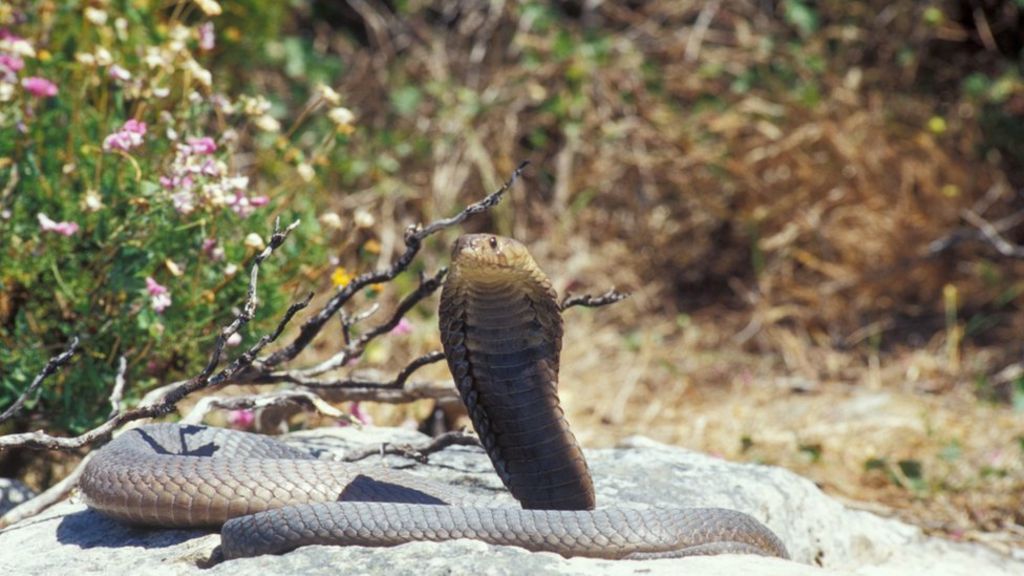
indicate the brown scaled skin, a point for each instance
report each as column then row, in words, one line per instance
column 502, row 332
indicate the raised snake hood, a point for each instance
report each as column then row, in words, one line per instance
column 502, row 332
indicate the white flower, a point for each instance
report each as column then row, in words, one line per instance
column 173, row 267
column 92, row 201
column 341, row 116
column 267, row 123
column 85, row 58
column 363, row 218
column 331, row 220
column 202, row 75
column 306, row 172
column 209, row 7
column 328, row 94
column 154, row 58
column 95, row 15
column 103, row 57
column 19, row 46
column 183, row 201
column 255, row 241
column 254, row 106
column 121, row 26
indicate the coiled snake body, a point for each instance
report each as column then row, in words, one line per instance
column 501, row 328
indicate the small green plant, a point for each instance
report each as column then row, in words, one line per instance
column 133, row 193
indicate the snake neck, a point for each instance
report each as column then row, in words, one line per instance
column 502, row 333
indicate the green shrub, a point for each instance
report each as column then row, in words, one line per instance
column 133, row 194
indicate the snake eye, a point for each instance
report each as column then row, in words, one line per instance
column 493, row 242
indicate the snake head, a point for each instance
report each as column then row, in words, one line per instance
column 488, row 254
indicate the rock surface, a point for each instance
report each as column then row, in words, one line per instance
column 823, row 537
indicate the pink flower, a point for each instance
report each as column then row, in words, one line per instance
column 234, row 340
column 403, row 327
column 160, row 296
column 11, row 63
column 155, row 288
column 212, row 249
column 62, row 228
column 203, row 145
column 207, row 39
column 118, row 73
column 133, row 126
column 356, row 410
column 39, row 87
column 209, row 168
column 241, row 418
column 128, row 137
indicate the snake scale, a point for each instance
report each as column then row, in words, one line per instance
column 502, row 332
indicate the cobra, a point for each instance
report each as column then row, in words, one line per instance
column 501, row 327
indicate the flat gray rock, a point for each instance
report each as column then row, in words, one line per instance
column 823, row 537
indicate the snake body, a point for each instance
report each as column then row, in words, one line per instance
column 501, row 329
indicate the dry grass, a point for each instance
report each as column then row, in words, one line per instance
column 772, row 199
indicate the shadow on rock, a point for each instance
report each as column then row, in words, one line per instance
column 89, row 529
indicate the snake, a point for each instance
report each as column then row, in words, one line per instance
column 501, row 330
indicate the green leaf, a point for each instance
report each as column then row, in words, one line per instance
column 800, row 15
column 406, row 100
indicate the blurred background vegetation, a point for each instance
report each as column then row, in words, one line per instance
column 819, row 208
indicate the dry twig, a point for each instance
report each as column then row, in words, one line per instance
column 278, row 398
column 992, row 234
column 414, row 236
column 587, row 301
column 167, row 402
column 48, row 498
column 51, row 367
column 247, row 367
column 418, row 453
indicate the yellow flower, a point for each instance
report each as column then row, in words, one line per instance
column 372, row 246
column 340, row 277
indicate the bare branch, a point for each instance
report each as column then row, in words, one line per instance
column 355, row 391
column 354, row 348
column 205, row 379
column 347, row 323
column 279, row 398
column 369, row 387
column 993, row 236
column 417, row 453
column 52, row 365
column 414, row 236
column 117, row 396
column 587, row 301
column 700, row 28
column 249, row 308
column 365, row 314
column 49, row 497
column 428, row 358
